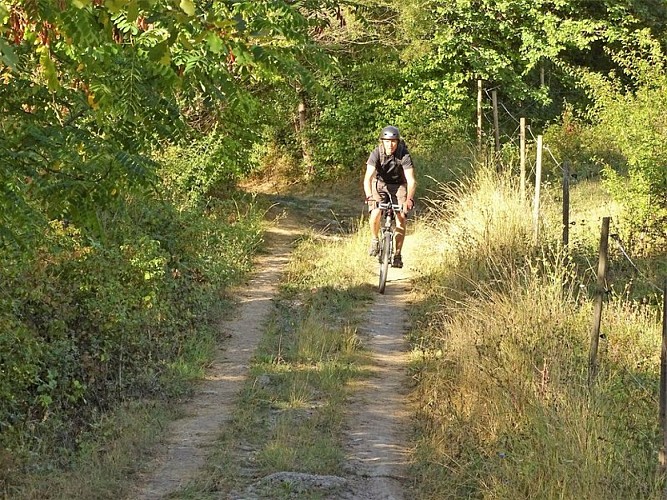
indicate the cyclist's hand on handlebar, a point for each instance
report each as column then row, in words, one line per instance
column 409, row 205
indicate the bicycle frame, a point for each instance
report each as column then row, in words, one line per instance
column 388, row 229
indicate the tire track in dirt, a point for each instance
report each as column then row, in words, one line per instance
column 377, row 415
column 190, row 439
column 378, row 418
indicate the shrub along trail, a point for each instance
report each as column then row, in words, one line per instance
column 308, row 396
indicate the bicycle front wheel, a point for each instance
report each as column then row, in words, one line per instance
column 385, row 254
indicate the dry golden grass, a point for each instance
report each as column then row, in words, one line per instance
column 501, row 357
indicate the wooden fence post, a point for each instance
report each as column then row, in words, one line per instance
column 496, row 128
column 522, row 157
column 479, row 117
column 566, row 203
column 663, row 384
column 536, row 201
column 599, row 296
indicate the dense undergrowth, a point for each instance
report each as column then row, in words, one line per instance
column 92, row 320
column 501, row 345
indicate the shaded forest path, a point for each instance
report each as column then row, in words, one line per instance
column 377, row 415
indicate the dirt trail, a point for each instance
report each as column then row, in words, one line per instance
column 377, row 416
column 191, row 437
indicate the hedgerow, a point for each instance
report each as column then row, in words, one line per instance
column 90, row 318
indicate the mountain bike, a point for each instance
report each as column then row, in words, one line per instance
column 387, row 231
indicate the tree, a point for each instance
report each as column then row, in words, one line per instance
column 510, row 42
column 89, row 87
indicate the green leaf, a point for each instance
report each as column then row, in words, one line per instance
column 188, row 7
column 7, row 55
column 214, row 43
column 115, row 6
column 81, row 4
column 160, row 53
column 133, row 11
column 50, row 71
column 166, row 58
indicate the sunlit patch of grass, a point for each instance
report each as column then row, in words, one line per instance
column 475, row 222
column 324, row 262
column 589, row 203
column 506, row 405
column 316, row 341
column 500, row 358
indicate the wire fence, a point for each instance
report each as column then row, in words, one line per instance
column 516, row 130
column 510, row 124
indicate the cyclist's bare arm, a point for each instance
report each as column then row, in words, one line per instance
column 412, row 186
column 368, row 180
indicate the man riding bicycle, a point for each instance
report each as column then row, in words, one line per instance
column 389, row 171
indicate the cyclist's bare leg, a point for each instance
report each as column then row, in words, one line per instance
column 401, row 222
column 374, row 223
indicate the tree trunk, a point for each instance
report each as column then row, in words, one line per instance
column 302, row 124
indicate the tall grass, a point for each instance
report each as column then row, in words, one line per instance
column 501, row 356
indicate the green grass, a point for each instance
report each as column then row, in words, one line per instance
column 106, row 456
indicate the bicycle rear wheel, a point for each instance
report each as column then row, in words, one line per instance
column 385, row 254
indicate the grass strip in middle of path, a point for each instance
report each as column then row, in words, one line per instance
column 291, row 412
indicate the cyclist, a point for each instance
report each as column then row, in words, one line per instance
column 389, row 169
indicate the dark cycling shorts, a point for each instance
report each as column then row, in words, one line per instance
column 398, row 192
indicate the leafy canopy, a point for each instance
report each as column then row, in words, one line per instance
column 89, row 87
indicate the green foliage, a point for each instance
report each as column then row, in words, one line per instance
column 89, row 323
column 21, row 359
column 192, row 172
column 112, row 258
column 503, row 42
column 88, row 88
column 638, row 125
column 623, row 137
column 572, row 139
column 345, row 125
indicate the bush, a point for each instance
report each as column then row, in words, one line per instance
column 637, row 124
column 90, row 320
column 627, row 145
column 574, row 140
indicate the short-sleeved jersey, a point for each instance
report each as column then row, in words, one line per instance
column 390, row 168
